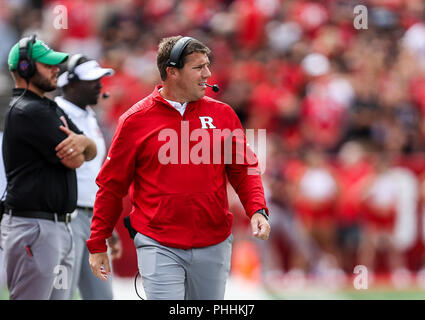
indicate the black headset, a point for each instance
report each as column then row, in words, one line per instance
column 26, row 65
column 71, row 65
column 176, row 52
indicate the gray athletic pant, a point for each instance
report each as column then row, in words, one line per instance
column 38, row 258
column 177, row 274
column 90, row 287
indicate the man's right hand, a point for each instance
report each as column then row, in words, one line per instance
column 99, row 264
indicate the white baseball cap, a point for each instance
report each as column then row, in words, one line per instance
column 89, row 70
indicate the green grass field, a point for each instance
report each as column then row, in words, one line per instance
column 4, row 294
column 369, row 294
column 381, row 288
column 123, row 289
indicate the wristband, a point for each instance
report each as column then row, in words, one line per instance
column 263, row 212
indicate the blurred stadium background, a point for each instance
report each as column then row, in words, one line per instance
column 344, row 112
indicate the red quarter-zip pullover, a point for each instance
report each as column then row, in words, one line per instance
column 177, row 199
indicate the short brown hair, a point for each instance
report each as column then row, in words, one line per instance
column 167, row 44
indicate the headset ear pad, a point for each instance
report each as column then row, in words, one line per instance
column 72, row 64
column 177, row 51
column 26, row 65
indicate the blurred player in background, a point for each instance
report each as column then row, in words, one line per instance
column 81, row 88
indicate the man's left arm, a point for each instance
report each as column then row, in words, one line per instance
column 244, row 175
column 260, row 225
column 74, row 145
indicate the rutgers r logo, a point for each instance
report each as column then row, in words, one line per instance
column 207, row 122
column 215, row 146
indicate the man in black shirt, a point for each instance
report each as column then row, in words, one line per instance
column 42, row 148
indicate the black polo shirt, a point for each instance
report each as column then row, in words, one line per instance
column 36, row 179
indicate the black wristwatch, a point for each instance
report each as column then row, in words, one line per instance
column 263, row 212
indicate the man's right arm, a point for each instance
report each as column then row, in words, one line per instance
column 113, row 180
column 99, row 264
column 40, row 128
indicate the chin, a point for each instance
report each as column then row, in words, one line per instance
column 201, row 95
column 50, row 88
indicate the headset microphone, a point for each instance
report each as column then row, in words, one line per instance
column 106, row 95
column 215, row 87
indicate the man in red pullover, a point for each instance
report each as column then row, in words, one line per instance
column 179, row 198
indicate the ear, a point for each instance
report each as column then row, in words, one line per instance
column 70, row 88
column 171, row 72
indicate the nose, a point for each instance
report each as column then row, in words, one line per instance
column 206, row 72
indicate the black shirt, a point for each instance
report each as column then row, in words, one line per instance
column 36, row 179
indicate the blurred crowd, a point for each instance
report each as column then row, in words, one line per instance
column 343, row 108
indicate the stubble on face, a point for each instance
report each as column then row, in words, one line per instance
column 44, row 78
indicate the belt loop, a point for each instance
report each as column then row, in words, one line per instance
column 9, row 212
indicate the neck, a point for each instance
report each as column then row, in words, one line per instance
column 23, row 85
column 75, row 101
column 172, row 94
